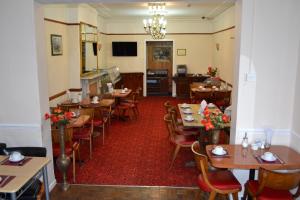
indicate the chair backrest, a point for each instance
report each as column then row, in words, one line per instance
column 203, row 95
column 167, row 105
column 26, row 151
column 87, row 111
column 168, row 121
column 67, row 107
column 174, row 114
column 68, row 135
column 222, row 95
column 279, row 180
column 201, row 160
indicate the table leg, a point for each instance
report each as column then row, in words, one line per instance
column 13, row 196
column 251, row 174
column 45, row 179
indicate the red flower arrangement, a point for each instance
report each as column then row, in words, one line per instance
column 59, row 117
column 212, row 71
column 215, row 119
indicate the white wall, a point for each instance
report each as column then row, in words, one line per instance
column 23, row 76
column 224, row 20
column 64, row 70
column 224, row 57
column 269, row 100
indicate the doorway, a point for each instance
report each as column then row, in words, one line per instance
column 159, row 67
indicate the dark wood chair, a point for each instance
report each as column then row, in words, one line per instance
column 127, row 107
column 215, row 182
column 68, row 107
column 197, row 96
column 273, row 185
column 71, row 147
column 179, row 140
column 221, row 98
column 85, row 133
column 101, row 119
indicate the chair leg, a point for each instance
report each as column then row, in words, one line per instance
column 175, row 154
column 235, row 196
column 245, row 196
column 74, row 167
column 212, row 195
column 91, row 147
column 79, row 158
column 103, row 131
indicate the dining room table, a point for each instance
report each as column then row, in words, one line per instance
column 14, row 176
column 237, row 157
column 197, row 118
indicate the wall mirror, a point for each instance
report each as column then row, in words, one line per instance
column 88, row 49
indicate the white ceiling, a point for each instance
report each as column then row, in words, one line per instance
column 110, row 9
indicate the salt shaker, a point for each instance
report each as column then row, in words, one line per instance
column 245, row 141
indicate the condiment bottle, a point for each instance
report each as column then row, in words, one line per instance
column 245, row 141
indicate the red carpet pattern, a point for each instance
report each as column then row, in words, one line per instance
column 137, row 152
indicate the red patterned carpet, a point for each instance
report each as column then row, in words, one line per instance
column 137, row 152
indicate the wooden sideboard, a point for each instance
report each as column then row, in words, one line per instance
column 131, row 80
column 183, row 84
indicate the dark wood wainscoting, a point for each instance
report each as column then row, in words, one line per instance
column 131, row 80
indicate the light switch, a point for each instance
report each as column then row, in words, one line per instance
column 251, row 77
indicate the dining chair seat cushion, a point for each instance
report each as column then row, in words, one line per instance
column 184, row 139
column 126, row 105
column 222, row 180
column 98, row 122
column 268, row 193
column 81, row 133
column 185, row 129
column 56, row 149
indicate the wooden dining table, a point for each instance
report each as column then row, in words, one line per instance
column 245, row 158
column 196, row 123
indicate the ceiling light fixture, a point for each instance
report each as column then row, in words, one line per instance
column 156, row 25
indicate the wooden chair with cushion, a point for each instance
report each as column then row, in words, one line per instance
column 273, row 185
column 68, row 107
column 85, row 133
column 127, row 107
column 100, row 121
column 215, row 182
column 134, row 100
column 177, row 124
column 71, row 147
column 221, row 99
column 179, row 140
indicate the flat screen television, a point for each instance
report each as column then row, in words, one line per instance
column 124, row 48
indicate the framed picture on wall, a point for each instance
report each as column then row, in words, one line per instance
column 56, row 45
column 181, row 52
column 161, row 54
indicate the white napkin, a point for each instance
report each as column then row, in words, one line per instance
column 203, row 105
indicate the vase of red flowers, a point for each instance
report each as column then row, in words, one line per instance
column 60, row 119
column 214, row 120
column 212, row 71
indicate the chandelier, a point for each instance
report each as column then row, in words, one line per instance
column 156, row 25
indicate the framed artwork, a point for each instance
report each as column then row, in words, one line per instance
column 181, row 52
column 161, row 53
column 56, row 45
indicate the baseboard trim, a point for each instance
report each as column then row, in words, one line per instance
column 20, row 126
column 52, row 185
